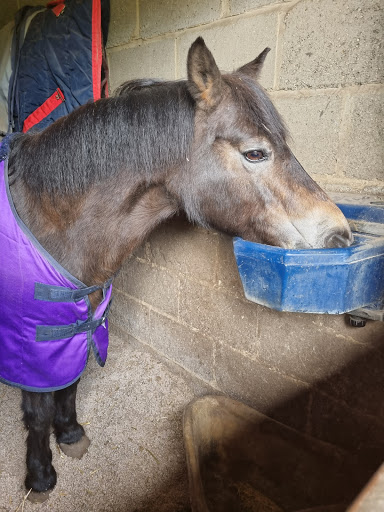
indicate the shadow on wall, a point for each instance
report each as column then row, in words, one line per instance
column 359, row 385
column 265, row 456
column 354, row 419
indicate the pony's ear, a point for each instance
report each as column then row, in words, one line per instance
column 204, row 77
column 254, row 67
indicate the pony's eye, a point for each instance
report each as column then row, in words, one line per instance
column 255, row 155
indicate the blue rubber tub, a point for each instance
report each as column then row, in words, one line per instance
column 319, row 280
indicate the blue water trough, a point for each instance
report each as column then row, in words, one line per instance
column 331, row 281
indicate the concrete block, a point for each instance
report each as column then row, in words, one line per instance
column 297, row 345
column 360, row 382
column 165, row 16
column 332, row 43
column 293, row 411
column 314, row 125
column 141, row 252
column 235, row 42
column 261, row 387
column 149, row 284
column 122, row 24
column 130, row 316
column 219, row 315
column 365, row 136
column 185, row 249
column 145, row 60
column 180, row 344
column 239, row 6
column 341, row 184
column 227, row 274
column 336, row 423
column 372, row 334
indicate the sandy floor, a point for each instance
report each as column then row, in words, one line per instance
column 132, row 412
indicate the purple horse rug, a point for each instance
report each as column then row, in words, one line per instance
column 47, row 324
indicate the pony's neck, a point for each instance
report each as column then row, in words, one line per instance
column 92, row 235
column 119, row 230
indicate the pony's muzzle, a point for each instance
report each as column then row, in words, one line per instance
column 335, row 240
column 320, row 228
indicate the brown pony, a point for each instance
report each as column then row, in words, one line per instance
column 92, row 185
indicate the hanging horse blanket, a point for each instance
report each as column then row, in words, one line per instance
column 52, row 61
column 47, row 325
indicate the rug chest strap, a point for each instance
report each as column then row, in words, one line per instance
column 53, row 293
column 60, row 332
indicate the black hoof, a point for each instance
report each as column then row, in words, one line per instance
column 38, row 497
column 41, row 482
column 76, row 450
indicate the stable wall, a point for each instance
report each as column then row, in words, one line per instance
column 180, row 294
column 324, row 73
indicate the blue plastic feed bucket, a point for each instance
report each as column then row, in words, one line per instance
column 319, row 280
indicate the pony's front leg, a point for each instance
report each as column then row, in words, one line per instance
column 39, row 410
column 69, row 433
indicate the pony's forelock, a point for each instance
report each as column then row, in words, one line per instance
column 257, row 108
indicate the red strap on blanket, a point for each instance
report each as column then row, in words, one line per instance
column 57, row 6
column 44, row 110
column 97, row 50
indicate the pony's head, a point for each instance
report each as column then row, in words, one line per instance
column 240, row 176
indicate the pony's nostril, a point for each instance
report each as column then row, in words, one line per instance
column 338, row 240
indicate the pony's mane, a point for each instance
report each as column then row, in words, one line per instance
column 148, row 126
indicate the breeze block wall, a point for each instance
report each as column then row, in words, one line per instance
column 324, row 73
column 180, row 294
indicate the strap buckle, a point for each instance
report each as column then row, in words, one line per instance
column 60, row 332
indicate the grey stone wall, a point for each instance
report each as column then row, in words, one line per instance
column 180, row 294
column 324, row 73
